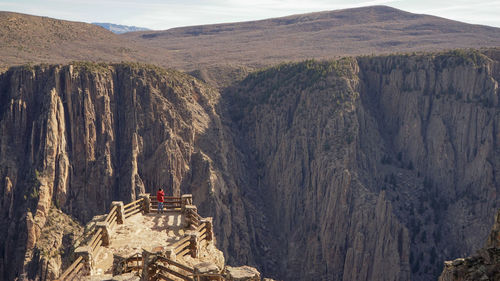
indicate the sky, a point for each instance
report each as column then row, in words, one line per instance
column 165, row 14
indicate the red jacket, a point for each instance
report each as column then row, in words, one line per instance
column 160, row 195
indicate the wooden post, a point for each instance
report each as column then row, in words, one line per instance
column 119, row 264
column 148, row 259
column 146, row 203
column 186, row 199
column 120, row 216
column 170, row 254
column 105, row 233
column 86, row 253
column 189, row 210
column 193, row 245
column 209, row 226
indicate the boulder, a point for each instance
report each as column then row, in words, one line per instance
column 242, row 273
column 206, row 268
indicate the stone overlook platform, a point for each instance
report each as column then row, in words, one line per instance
column 135, row 242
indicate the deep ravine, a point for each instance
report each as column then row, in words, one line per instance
column 368, row 168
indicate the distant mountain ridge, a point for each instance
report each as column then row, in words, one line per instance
column 118, row 28
column 327, row 34
column 321, row 35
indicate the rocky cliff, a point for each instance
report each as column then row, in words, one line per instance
column 77, row 137
column 375, row 168
column 483, row 265
column 368, row 168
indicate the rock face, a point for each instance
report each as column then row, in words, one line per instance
column 80, row 136
column 301, row 124
column 373, row 168
column 483, row 265
column 494, row 238
column 369, row 168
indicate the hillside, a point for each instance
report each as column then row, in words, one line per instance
column 32, row 39
column 368, row 30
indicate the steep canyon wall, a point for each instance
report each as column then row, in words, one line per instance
column 368, row 168
column 374, row 168
column 77, row 137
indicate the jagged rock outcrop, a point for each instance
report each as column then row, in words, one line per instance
column 494, row 238
column 301, row 125
column 483, row 265
column 374, row 167
column 80, row 136
column 53, row 248
column 369, row 168
column 242, row 273
column 437, row 116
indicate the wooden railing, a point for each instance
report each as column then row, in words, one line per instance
column 73, row 271
column 134, row 263
column 96, row 242
column 111, row 215
column 78, row 266
column 99, row 236
column 169, row 270
column 182, row 247
column 132, row 208
column 170, row 203
column 202, row 232
column 193, row 216
column 166, row 267
column 187, row 244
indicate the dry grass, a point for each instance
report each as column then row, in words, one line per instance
column 361, row 31
column 372, row 30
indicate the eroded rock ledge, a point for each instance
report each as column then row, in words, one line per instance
column 483, row 265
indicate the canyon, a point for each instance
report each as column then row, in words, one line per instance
column 360, row 168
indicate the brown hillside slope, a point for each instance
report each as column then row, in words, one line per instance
column 377, row 29
column 25, row 39
column 367, row 30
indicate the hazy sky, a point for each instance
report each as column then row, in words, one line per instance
column 164, row 14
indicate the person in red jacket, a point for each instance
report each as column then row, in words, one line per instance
column 160, row 196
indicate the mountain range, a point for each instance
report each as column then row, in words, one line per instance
column 360, row 31
column 118, row 28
